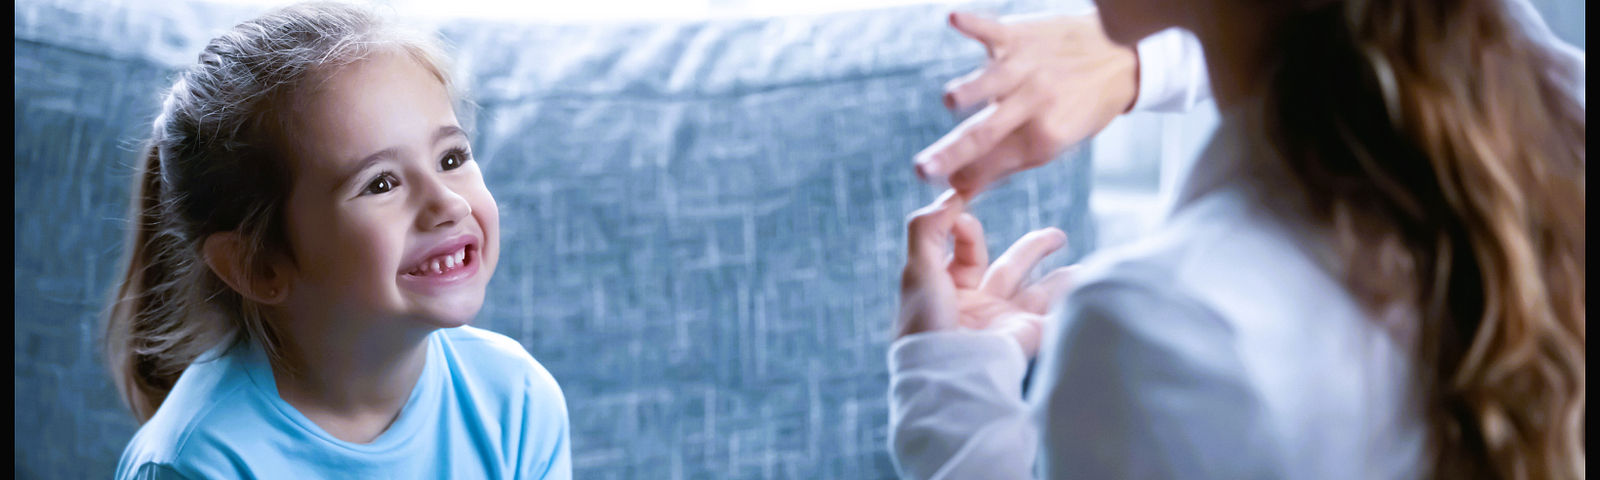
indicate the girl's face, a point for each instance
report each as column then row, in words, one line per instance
column 389, row 218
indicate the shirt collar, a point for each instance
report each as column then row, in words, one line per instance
column 1238, row 145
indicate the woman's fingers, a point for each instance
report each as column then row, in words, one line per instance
column 1008, row 272
column 928, row 230
column 927, row 293
column 971, row 256
column 989, row 32
column 1051, row 83
column 1039, row 297
column 998, row 79
column 1000, row 162
column 975, row 136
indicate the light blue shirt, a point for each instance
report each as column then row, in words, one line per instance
column 483, row 408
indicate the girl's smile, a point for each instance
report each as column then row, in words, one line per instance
column 443, row 267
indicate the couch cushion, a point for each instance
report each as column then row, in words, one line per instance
column 707, row 221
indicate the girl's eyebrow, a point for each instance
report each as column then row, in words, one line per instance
column 390, row 153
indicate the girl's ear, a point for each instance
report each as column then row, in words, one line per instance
column 224, row 253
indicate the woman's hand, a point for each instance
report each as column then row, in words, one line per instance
column 1050, row 83
column 942, row 290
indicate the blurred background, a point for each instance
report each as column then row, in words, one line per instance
column 702, row 203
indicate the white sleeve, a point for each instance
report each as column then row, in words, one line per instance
column 1138, row 385
column 956, row 408
column 1172, row 72
column 1571, row 61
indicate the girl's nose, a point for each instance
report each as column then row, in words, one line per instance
column 444, row 207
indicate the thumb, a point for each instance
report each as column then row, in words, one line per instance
column 927, row 290
column 929, row 229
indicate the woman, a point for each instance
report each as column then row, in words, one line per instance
column 1375, row 270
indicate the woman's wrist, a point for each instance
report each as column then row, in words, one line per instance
column 1133, row 86
column 958, row 349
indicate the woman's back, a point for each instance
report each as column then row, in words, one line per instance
column 1223, row 346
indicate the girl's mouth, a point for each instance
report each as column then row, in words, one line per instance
column 444, row 270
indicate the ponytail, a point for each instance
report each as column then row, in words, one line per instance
column 148, row 342
column 1443, row 149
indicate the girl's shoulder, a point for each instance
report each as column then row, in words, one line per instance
column 214, row 404
column 489, row 342
column 497, row 361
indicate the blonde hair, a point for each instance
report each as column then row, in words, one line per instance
column 216, row 162
column 1444, row 149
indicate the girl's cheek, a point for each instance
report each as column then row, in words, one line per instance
column 491, row 218
column 485, row 202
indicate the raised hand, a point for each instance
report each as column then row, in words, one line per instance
column 948, row 288
column 1050, row 83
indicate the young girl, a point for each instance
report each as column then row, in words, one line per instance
column 311, row 237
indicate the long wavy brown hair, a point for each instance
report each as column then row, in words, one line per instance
column 1445, row 148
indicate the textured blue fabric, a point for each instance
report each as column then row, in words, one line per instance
column 712, row 220
column 482, row 408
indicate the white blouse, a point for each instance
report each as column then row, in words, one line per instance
column 1221, row 346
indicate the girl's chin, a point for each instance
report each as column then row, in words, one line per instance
column 452, row 320
column 448, row 314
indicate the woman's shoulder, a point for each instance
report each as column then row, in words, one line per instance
column 1241, row 314
column 1221, row 253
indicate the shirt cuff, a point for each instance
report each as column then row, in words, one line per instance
column 1171, row 72
column 996, row 354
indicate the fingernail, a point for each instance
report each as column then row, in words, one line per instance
column 928, row 166
column 950, row 101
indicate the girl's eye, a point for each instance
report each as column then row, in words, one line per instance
column 383, row 184
column 454, row 159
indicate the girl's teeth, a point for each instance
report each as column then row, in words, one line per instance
column 447, row 263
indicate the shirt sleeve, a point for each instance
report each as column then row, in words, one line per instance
column 547, row 450
column 1571, row 62
column 157, row 471
column 1172, row 73
column 1140, row 384
column 956, row 408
